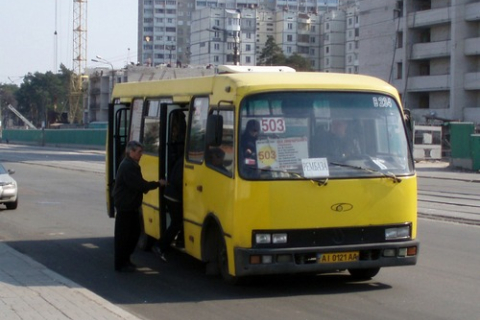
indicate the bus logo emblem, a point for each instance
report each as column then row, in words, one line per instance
column 341, row 207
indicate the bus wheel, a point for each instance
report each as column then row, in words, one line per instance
column 145, row 242
column 363, row 274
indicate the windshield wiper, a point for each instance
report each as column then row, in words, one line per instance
column 388, row 175
column 320, row 182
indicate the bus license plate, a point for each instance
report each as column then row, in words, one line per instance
column 338, row 257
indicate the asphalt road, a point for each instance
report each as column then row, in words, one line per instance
column 61, row 222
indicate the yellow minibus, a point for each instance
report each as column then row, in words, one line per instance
column 284, row 172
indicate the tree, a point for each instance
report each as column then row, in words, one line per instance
column 298, row 63
column 40, row 94
column 7, row 96
column 272, row 54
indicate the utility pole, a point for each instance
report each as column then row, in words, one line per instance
column 234, row 26
column 233, row 30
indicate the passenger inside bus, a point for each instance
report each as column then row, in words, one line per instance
column 173, row 193
column 248, row 148
column 177, row 137
column 174, row 200
column 216, row 158
column 338, row 143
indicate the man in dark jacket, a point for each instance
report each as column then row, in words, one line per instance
column 128, row 196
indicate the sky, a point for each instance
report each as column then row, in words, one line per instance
column 28, row 43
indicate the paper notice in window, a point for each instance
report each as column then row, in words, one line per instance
column 282, row 154
column 315, row 168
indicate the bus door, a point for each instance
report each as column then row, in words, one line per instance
column 175, row 131
column 208, row 173
column 163, row 132
column 117, row 139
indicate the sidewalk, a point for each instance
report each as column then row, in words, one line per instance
column 457, row 206
column 28, row 290
column 443, row 170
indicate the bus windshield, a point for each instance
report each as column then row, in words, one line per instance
column 309, row 135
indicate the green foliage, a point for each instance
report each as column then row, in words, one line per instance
column 272, row 55
column 7, row 94
column 42, row 96
column 299, row 63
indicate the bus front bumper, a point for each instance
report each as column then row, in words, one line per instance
column 249, row 262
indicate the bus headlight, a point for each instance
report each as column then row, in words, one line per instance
column 270, row 238
column 396, row 233
column 279, row 238
column 263, row 238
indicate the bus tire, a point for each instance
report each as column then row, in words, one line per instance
column 222, row 259
column 364, row 274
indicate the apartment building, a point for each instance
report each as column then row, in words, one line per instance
column 165, row 28
column 429, row 50
column 223, row 36
column 164, row 31
column 352, row 39
column 213, row 35
column 333, row 44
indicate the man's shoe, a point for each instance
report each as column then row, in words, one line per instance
column 162, row 257
column 180, row 244
column 159, row 253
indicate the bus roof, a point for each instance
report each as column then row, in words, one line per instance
column 227, row 86
column 252, row 69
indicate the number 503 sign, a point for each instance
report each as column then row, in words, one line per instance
column 267, row 156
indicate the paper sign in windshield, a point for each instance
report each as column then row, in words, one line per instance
column 282, row 154
column 315, row 168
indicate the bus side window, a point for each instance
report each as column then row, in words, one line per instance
column 196, row 129
column 176, row 136
column 219, row 154
column 151, row 127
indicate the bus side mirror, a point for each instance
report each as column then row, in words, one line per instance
column 409, row 123
column 214, row 134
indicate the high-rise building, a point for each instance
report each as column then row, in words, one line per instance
column 217, row 36
column 165, row 30
column 333, row 44
column 428, row 49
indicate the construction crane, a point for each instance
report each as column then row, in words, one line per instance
column 79, row 59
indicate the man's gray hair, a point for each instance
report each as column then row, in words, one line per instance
column 133, row 146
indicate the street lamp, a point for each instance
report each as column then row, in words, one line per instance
column 111, row 84
column 104, row 61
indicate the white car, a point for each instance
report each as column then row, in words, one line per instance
column 8, row 188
